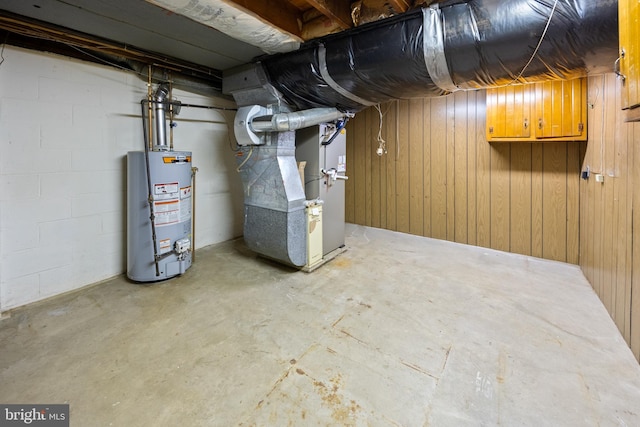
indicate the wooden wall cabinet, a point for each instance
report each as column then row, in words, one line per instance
column 628, row 64
column 544, row 112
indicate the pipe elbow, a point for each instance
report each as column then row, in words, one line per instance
column 161, row 92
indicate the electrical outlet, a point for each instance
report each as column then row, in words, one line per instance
column 599, row 177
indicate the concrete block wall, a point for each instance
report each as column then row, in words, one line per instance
column 65, row 129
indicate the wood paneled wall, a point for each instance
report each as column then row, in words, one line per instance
column 610, row 220
column 440, row 178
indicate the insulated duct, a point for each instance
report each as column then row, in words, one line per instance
column 429, row 52
column 235, row 21
column 449, row 46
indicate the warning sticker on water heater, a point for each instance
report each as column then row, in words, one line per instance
column 185, row 192
column 165, row 246
column 185, row 204
column 167, row 212
column 166, row 191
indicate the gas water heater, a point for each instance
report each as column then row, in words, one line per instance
column 159, row 202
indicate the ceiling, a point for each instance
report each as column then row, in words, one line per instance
column 201, row 36
column 309, row 19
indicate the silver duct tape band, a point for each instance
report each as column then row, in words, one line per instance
column 324, row 72
column 433, row 45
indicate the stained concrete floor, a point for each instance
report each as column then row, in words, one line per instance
column 398, row 330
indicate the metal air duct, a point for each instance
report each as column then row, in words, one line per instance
column 274, row 199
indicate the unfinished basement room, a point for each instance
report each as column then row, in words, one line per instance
column 320, row 213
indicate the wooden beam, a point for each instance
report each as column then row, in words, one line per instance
column 399, row 5
column 318, row 27
column 278, row 13
column 373, row 10
column 336, row 10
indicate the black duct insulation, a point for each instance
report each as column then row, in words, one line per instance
column 454, row 45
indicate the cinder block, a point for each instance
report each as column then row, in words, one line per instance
column 68, row 92
column 113, row 243
column 85, row 116
column 87, row 204
column 19, row 186
column 89, row 264
column 97, row 74
column 127, row 132
column 91, row 159
column 19, row 237
column 113, row 180
column 50, row 160
column 114, row 222
column 19, row 291
column 23, row 61
column 58, row 280
column 123, row 99
column 33, row 211
column 81, row 231
column 54, row 113
column 23, row 112
column 31, row 261
column 88, row 182
column 59, row 184
column 97, row 203
column 18, row 85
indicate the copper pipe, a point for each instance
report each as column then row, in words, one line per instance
column 150, row 107
column 170, row 114
column 193, row 214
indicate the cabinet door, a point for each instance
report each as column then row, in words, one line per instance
column 561, row 109
column 509, row 112
column 629, row 20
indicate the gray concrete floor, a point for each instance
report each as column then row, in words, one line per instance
column 398, row 330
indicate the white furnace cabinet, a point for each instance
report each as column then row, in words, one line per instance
column 324, row 178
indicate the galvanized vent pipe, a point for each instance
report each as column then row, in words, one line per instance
column 159, row 98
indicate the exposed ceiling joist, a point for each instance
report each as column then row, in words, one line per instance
column 279, row 13
column 336, row 10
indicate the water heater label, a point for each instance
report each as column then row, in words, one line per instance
column 185, row 192
column 165, row 246
column 185, row 204
column 167, row 189
column 167, row 212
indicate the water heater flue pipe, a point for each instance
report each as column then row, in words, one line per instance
column 159, row 98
